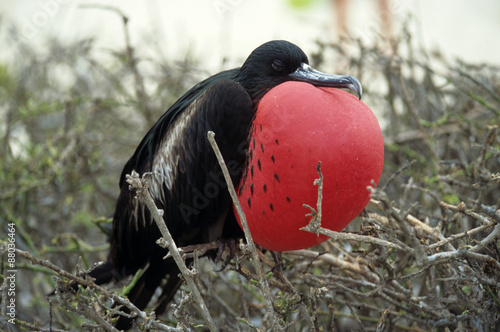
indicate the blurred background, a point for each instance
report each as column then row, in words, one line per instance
column 81, row 82
column 231, row 29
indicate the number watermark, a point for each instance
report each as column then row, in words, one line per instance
column 9, row 283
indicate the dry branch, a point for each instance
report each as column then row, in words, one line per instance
column 140, row 187
column 248, row 235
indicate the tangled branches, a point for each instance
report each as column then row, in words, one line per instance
column 423, row 255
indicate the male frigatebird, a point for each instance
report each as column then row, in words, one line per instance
column 183, row 173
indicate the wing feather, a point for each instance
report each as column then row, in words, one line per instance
column 184, row 177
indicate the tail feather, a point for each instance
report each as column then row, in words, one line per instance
column 103, row 273
column 142, row 292
column 169, row 290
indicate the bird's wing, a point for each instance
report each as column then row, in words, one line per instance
column 143, row 156
column 185, row 178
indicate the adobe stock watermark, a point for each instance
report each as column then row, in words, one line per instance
column 9, row 283
column 47, row 10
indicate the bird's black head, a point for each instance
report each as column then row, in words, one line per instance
column 274, row 59
column 279, row 61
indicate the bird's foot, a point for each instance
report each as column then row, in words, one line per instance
column 230, row 245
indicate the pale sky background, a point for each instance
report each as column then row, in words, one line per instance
column 213, row 29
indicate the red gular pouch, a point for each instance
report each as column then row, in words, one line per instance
column 296, row 126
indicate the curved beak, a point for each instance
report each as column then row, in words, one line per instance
column 306, row 73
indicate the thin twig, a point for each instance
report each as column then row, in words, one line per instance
column 140, row 187
column 463, row 209
column 358, row 269
column 132, row 61
column 458, row 236
column 248, row 235
column 447, row 256
column 314, row 225
column 338, row 236
column 200, row 249
column 316, row 214
column 102, row 291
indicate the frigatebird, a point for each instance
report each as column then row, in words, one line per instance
column 184, row 175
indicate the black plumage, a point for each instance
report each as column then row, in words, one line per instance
column 184, row 175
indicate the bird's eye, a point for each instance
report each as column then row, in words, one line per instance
column 278, row 65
